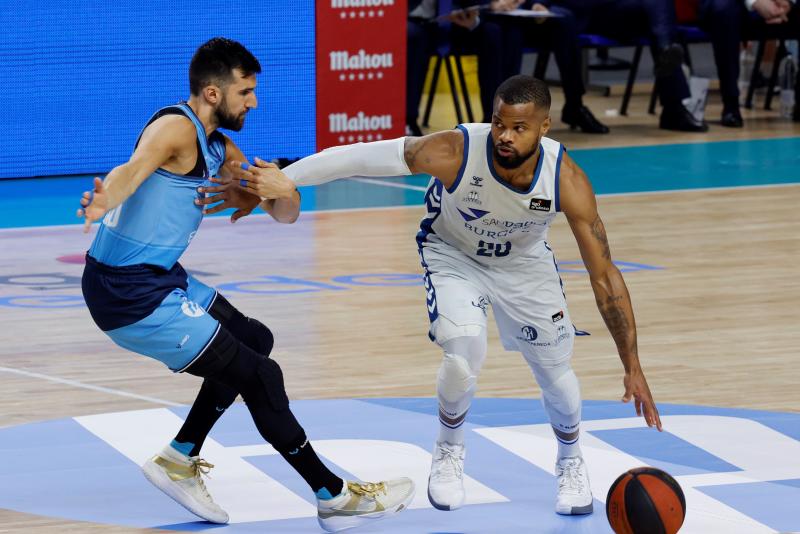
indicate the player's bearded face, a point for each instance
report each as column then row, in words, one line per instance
column 228, row 119
column 509, row 156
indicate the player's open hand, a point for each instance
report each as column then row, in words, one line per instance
column 228, row 194
column 94, row 204
column 263, row 179
column 636, row 387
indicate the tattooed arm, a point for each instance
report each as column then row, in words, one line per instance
column 438, row 154
column 580, row 207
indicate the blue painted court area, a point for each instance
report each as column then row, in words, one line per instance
column 53, row 201
column 93, row 474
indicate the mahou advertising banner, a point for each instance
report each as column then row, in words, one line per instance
column 361, row 69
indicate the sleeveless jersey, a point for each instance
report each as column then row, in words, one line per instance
column 155, row 225
column 485, row 217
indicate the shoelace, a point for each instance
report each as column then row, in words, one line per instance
column 202, row 467
column 570, row 479
column 448, row 463
column 367, row 489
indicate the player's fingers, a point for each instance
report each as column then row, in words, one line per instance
column 213, row 189
column 638, row 404
column 222, row 206
column 265, row 164
column 98, row 184
column 238, row 214
column 79, row 212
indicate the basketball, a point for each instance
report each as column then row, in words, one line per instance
column 645, row 500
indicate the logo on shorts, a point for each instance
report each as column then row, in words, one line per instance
column 476, row 181
column 540, row 204
column 530, row 333
column 482, row 304
column 558, row 316
column 561, row 335
column 191, row 309
column 472, row 197
column 183, row 341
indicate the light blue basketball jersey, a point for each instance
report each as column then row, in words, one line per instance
column 156, row 224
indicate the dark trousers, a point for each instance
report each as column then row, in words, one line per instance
column 499, row 56
column 617, row 19
column 728, row 22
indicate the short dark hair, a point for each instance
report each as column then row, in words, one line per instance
column 522, row 89
column 215, row 61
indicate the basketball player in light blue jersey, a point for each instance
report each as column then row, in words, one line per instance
column 142, row 298
column 494, row 192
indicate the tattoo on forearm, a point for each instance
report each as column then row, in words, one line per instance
column 614, row 316
column 599, row 233
column 412, row 150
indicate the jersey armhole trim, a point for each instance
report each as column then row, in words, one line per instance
column 464, row 159
column 557, row 195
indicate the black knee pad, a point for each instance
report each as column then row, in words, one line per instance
column 250, row 331
column 272, row 378
column 219, row 353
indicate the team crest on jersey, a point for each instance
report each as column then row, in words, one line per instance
column 472, row 197
column 476, row 181
column 540, row 204
column 473, row 214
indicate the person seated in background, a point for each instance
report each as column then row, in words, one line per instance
column 727, row 22
column 499, row 51
column 625, row 20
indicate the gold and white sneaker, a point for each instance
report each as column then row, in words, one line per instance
column 362, row 502
column 180, row 477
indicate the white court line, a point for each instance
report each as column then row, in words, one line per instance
column 420, row 205
column 77, row 384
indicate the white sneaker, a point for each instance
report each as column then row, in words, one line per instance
column 180, row 477
column 362, row 502
column 574, row 494
column 446, row 483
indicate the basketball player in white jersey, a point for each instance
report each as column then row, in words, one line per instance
column 495, row 190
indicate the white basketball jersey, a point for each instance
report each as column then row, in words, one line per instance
column 486, row 218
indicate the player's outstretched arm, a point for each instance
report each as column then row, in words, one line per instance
column 284, row 206
column 160, row 142
column 437, row 154
column 613, row 300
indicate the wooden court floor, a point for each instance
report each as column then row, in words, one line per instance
column 718, row 323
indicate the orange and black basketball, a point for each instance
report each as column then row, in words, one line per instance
column 645, row 500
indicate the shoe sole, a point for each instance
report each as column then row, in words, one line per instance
column 159, row 479
column 577, row 510
column 442, row 507
column 340, row 523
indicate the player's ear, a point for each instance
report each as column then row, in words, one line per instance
column 212, row 94
column 545, row 126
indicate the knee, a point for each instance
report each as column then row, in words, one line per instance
column 456, row 377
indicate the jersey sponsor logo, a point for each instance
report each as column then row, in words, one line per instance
column 540, row 204
column 473, row 214
column 558, row 316
column 472, row 198
column 361, row 60
column 476, row 181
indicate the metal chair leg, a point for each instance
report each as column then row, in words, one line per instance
column 773, row 77
column 751, row 89
column 451, row 79
column 464, row 90
column 432, row 90
column 634, row 70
